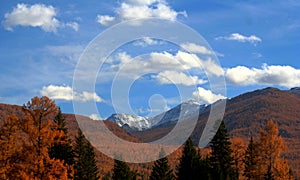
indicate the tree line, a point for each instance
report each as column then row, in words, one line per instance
column 38, row 146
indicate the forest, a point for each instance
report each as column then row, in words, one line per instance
column 38, row 145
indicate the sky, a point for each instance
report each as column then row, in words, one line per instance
column 251, row 44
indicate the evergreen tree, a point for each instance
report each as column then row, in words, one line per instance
column 161, row 169
column 203, row 168
column 60, row 121
column 122, row 171
column 62, row 148
column 221, row 160
column 250, row 161
column 85, row 167
column 189, row 162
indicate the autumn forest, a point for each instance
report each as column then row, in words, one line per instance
column 36, row 144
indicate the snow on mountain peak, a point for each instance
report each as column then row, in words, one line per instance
column 133, row 121
column 184, row 110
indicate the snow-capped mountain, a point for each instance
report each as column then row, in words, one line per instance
column 134, row 122
column 184, row 111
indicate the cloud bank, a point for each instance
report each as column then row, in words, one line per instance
column 285, row 76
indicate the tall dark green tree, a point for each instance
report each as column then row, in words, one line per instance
column 85, row 167
column 122, row 171
column 221, row 160
column 189, row 162
column 62, row 148
column 250, row 161
column 161, row 169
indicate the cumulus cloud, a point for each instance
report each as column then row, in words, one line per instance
column 285, row 76
column 105, row 20
column 207, row 96
column 95, row 117
column 136, row 9
column 37, row 15
column 174, row 77
column 66, row 93
column 241, row 38
column 181, row 61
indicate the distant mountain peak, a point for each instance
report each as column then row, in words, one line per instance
column 183, row 110
column 135, row 122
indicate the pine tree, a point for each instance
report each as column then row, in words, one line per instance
column 60, row 122
column 189, row 161
column 85, row 167
column 161, row 169
column 221, row 160
column 250, row 161
column 62, row 148
column 122, row 171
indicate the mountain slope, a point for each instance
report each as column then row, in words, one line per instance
column 246, row 114
column 183, row 110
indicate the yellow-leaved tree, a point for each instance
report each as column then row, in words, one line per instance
column 270, row 147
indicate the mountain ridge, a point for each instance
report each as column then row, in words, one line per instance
column 138, row 123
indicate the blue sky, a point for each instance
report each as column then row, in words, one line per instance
column 257, row 44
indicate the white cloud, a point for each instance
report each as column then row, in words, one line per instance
column 195, row 48
column 147, row 41
column 158, row 62
column 73, row 25
column 207, row 96
column 136, row 9
column 105, row 20
column 241, row 38
column 95, row 117
column 174, row 77
column 66, row 93
column 37, row 15
column 285, row 76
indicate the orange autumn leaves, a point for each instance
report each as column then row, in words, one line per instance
column 263, row 158
column 25, row 143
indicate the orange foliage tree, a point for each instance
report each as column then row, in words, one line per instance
column 27, row 141
column 10, row 152
column 269, row 155
column 238, row 153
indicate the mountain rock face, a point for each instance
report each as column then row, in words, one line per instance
column 183, row 111
column 134, row 122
